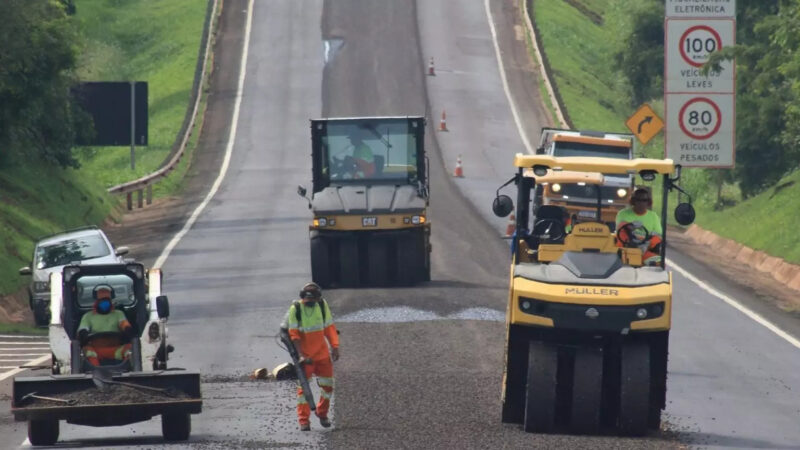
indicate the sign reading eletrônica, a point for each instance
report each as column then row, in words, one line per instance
column 701, row 8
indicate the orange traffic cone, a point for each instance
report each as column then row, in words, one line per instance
column 512, row 225
column 431, row 72
column 458, row 171
column 443, row 122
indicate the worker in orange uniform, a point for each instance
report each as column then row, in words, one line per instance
column 311, row 330
column 104, row 318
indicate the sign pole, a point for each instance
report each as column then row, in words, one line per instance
column 133, row 125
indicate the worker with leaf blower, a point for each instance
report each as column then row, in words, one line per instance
column 309, row 326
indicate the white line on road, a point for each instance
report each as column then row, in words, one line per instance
column 19, row 343
column 23, row 354
column 228, row 150
column 736, row 304
column 11, row 373
column 514, row 112
column 14, row 336
column 730, row 301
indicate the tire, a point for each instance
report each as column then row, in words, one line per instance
column 634, row 400
column 349, row 269
column 410, row 260
column 76, row 357
column 540, row 392
column 43, row 432
column 41, row 316
column 587, row 390
column 176, row 427
column 659, row 350
column 378, row 262
column 320, row 262
column 515, row 378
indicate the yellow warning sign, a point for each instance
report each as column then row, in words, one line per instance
column 645, row 123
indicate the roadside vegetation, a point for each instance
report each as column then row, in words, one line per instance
column 46, row 185
column 606, row 57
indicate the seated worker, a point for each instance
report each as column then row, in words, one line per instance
column 104, row 318
column 362, row 156
column 636, row 216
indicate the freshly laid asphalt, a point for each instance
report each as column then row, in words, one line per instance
column 421, row 367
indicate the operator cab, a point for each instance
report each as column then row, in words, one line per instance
column 129, row 296
column 582, row 246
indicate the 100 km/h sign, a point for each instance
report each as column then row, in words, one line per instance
column 700, row 129
column 690, row 44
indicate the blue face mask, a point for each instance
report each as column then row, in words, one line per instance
column 104, row 306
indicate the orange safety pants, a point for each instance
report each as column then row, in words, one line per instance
column 95, row 353
column 323, row 369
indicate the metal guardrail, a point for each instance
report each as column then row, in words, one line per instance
column 147, row 181
column 545, row 70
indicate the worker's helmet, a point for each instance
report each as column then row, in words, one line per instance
column 311, row 290
column 103, row 291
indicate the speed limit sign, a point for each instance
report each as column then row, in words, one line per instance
column 700, row 129
column 690, row 44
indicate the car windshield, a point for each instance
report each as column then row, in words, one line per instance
column 123, row 289
column 70, row 250
column 384, row 150
column 582, row 149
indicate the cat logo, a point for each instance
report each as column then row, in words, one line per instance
column 369, row 221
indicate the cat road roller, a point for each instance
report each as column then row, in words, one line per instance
column 587, row 323
column 369, row 198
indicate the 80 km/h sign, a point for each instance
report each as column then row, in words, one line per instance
column 700, row 129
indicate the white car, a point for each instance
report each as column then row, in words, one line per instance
column 86, row 245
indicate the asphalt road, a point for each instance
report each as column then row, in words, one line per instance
column 421, row 367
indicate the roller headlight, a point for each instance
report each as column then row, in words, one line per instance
column 41, row 286
column 416, row 220
column 621, row 193
column 641, row 313
column 320, row 222
column 556, row 187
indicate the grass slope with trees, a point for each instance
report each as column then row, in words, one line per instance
column 46, row 185
column 607, row 58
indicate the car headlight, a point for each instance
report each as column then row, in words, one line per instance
column 41, row 286
column 622, row 193
column 556, row 187
column 416, row 220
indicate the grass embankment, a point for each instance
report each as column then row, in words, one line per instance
column 580, row 50
column 143, row 40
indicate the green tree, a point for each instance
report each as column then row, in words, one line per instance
column 38, row 118
column 640, row 51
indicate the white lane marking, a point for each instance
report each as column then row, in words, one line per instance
column 35, row 362
column 14, row 336
column 514, row 113
column 734, row 303
column 19, row 343
column 228, row 150
column 24, row 354
column 730, row 301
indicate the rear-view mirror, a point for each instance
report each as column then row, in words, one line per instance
column 122, row 251
column 684, row 214
column 648, row 175
column 301, row 191
column 25, row 271
column 162, row 306
column 502, row 206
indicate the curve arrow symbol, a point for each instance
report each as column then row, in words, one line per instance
column 647, row 119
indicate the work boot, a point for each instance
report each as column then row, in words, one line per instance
column 325, row 422
column 305, row 427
